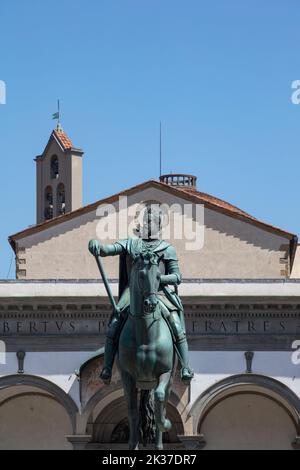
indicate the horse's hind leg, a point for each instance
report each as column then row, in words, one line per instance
column 130, row 392
column 158, row 439
column 160, row 397
column 159, row 434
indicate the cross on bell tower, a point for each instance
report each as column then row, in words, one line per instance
column 58, row 177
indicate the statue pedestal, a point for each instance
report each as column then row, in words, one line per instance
column 193, row 442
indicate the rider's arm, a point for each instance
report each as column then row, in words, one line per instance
column 106, row 250
column 173, row 275
column 111, row 249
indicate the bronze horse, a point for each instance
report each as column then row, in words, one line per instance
column 146, row 356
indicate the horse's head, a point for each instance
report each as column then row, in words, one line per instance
column 149, row 281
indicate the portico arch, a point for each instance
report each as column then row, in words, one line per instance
column 34, row 414
column 43, row 384
column 256, row 411
column 115, row 413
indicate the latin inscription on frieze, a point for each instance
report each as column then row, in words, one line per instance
column 195, row 325
column 10, row 327
column 243, row 326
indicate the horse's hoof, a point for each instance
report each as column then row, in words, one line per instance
column 165, row 426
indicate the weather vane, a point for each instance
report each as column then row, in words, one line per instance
column 57, row 115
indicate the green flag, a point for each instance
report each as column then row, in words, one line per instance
column 55, row 115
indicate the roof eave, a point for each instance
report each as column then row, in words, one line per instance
column 74, row 150
column 167, row 188
column 293, row 249
column 12, row 243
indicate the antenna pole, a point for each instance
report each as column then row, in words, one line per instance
column 160, row 148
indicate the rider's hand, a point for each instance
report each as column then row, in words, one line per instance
column 94, row 247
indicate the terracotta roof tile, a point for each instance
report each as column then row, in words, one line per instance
column 63, row 138
column 204, row 197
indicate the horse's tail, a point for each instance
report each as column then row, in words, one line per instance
column 147, row 419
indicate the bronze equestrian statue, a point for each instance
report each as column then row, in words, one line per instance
column 146, row 327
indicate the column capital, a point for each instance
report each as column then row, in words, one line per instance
column 79, row 441
column 193, row 442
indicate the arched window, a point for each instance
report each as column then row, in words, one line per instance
column 54, row 167
column 60, row 199
column 48, row 212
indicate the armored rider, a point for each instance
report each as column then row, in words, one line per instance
column 129, row 249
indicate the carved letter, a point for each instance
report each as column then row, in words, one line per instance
column 208, row 326
column 251, row 326
column 59, row 327
column 32, row 327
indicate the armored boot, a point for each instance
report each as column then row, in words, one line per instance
column 186, row 372
column 109, row 356
column 111, row 344
column 181, row 346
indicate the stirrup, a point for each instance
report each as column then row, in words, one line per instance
column 105, row 375
column 186, row 374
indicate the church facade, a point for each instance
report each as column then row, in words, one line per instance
column 241, row 295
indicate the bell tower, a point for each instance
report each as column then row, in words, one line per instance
column 58, row 177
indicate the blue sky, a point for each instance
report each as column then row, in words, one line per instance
column 217, row 74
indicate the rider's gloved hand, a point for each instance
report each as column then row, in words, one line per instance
column 94, row 247
column 172, row 279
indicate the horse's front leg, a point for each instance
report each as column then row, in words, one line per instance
column 130, row 392
column 160, row 397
